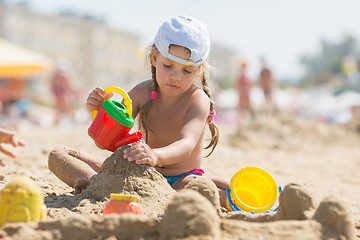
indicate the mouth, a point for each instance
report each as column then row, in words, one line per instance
column 173, row 85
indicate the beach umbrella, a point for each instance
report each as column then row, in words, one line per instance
column 19, row 62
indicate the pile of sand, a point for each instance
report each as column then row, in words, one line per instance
column 287, row 132
column 120, row 176
column 116, row 176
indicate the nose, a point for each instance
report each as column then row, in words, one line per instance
column 175, row 75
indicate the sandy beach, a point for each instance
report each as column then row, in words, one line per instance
column 321, row 158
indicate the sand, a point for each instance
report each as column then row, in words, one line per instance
column 315, row 163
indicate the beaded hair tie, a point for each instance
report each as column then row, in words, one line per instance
column 212, row 116
column 153, row 95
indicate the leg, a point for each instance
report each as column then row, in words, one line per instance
column 70, row 165
column 222, row 184
column 183, row 181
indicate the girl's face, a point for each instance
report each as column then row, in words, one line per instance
column 172, row 77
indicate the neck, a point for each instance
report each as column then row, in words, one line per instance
column 171, row 100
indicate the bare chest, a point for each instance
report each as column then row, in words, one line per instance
column 165, row 126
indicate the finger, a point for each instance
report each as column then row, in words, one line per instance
column 134, row 149
column 92, row 107
column 102, row 93
column 131, row 156
column 137, row 156
column 7, row 152
column 108, row 95
column 134, row 152
column 145, row 160
column 17, row 143
column 93, row 103
column 99, row 90
column 132, row 146
column 97, row 95
column 13, row 142
column 21, row 143
column 95, row 98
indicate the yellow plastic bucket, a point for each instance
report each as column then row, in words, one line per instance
column 252, row 189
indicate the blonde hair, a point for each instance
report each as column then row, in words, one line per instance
column 155, row 87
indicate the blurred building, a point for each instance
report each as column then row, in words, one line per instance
column 225, row 63
column 99, row 55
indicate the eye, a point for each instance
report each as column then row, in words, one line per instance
column 167, row 66
column 187, row 71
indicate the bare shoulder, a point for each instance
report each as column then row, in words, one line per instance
column 141, row 89
column 144, row 86
column 140, row 94
column 199, row 101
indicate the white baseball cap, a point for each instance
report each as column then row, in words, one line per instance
column 184, row 31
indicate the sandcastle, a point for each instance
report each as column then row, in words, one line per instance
column 192, row 213
column 120, row 176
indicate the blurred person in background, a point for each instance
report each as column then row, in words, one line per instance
column 61, row 88
column 267, row 83
column 244, row 87
column 8, row 137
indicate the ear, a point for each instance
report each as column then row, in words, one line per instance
column 153, row 58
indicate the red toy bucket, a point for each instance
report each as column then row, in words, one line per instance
column 111, row 125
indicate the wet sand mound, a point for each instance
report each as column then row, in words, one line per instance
column 206, row 188
column 121, row 176
column 115, row 176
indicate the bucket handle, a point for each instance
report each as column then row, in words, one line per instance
column 127, row 100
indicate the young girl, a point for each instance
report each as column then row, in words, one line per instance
column 173, row 112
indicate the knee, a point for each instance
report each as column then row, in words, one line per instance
column 182, row 182
column 55, row 156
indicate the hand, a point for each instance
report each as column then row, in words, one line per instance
column 8, row 137
column 96, row 98
column 141, row 153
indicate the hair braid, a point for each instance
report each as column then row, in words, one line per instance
column 144, row 111
column 212, row 126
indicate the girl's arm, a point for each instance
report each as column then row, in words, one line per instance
column 185, row 143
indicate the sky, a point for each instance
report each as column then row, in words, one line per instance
column 280, row 30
